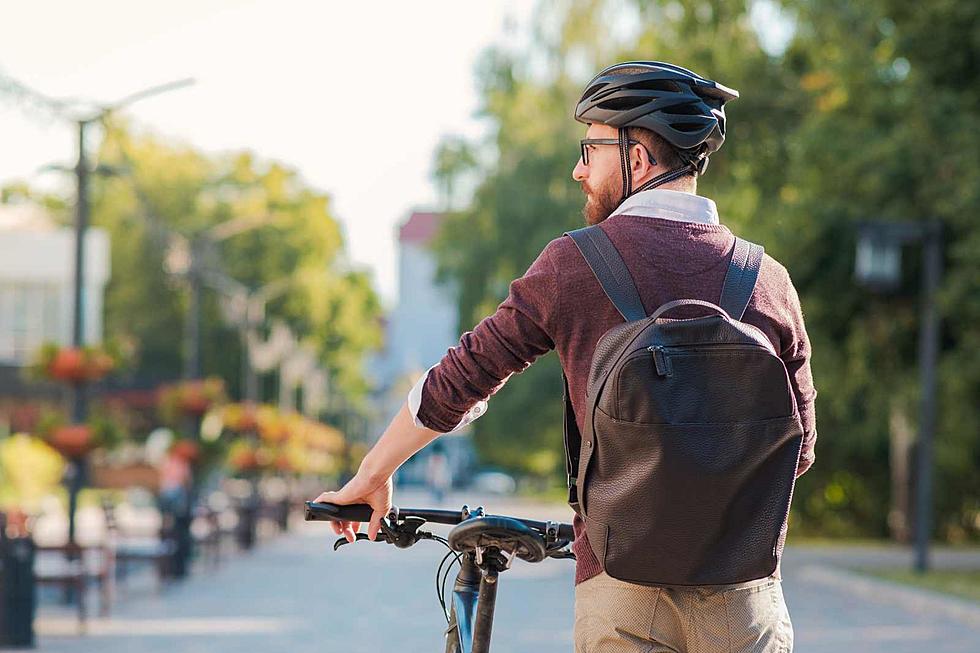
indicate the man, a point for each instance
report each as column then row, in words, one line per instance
column 651, row 128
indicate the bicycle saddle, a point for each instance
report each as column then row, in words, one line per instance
column 502, row 533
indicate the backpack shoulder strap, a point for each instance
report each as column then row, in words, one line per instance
column 617, row 282
column 609, row 269
column 743, row 271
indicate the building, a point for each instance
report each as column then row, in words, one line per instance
column 37, row 268
column 425, row 322
column 422, row 327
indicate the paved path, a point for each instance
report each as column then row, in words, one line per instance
column 294, row 595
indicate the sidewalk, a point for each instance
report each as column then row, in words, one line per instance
column 837, row 609
column 294, row 594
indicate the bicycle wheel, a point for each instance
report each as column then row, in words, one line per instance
column 452, row 632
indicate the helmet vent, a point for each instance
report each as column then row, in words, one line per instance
column 656, row 85
column 622, row 104
column 687, row 126
column 683, row 110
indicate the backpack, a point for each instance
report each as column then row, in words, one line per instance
column 685, row 470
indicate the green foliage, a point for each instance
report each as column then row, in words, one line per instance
column 871, row 112
column 892, row 134
column 285, row 230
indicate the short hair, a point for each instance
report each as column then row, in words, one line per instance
column 663, row 152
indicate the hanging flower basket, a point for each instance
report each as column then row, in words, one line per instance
column 73, row 440
column 74, row 365
column 104, row 430
column 194, row 402
column 67, row 365
column 191, row 397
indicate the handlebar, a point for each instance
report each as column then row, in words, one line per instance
column 335, row 512
column 361, row 512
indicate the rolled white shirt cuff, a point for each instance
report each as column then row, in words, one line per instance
column 415, row 402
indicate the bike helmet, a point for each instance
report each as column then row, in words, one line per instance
column 682, row 107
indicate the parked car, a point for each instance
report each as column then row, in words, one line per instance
column 493, row 481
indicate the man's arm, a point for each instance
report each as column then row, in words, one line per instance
column 796, row 355
column 505, row 343
column 502, row 344
column 372, row 483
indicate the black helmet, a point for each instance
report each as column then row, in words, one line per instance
column 684, row 108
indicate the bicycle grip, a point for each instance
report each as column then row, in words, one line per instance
column 333, row 512
column 566, row 532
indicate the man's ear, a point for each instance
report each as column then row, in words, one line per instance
column 640, row 161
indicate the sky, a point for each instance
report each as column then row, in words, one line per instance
column 355, row 96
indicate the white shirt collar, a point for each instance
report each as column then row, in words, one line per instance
column 670, row 205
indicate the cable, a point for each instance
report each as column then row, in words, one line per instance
column 445, row 579
column 440, row 591
column 441, row 586
column 439, row 595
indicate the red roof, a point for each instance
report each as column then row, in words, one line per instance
column 420, row 227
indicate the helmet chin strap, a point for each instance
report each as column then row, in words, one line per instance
column 670, row 175
column 624, row 164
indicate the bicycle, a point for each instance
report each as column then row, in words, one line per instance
column 484, row 546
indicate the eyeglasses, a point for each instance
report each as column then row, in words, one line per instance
column 586, row 142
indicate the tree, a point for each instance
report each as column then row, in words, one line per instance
column 287, row 232
column 892, row 133
column 871, row 111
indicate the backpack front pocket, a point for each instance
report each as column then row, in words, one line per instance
column 706, row 501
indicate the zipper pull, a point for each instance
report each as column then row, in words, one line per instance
column 661, row 359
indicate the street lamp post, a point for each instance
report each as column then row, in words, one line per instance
column 75, row 472
column 79, row 404
column 878, row 266
column 192, row 321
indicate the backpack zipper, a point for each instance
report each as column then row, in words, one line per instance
column 661, row 353
column 660, row 359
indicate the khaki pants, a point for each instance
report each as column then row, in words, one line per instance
column 612, row 616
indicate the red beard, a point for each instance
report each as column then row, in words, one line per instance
column 601, row 202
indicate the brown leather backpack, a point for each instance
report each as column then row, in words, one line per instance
column 685, row 470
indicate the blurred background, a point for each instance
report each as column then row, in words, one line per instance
column 234, row 234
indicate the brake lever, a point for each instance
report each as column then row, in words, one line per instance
column 341, row 541
column 402, row 535
column 559, row 551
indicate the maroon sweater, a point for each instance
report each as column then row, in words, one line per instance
column 559, row 304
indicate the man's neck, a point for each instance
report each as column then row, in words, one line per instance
column 685, row 184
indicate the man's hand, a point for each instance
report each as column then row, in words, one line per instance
column 361, row 489
column 372, row 483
